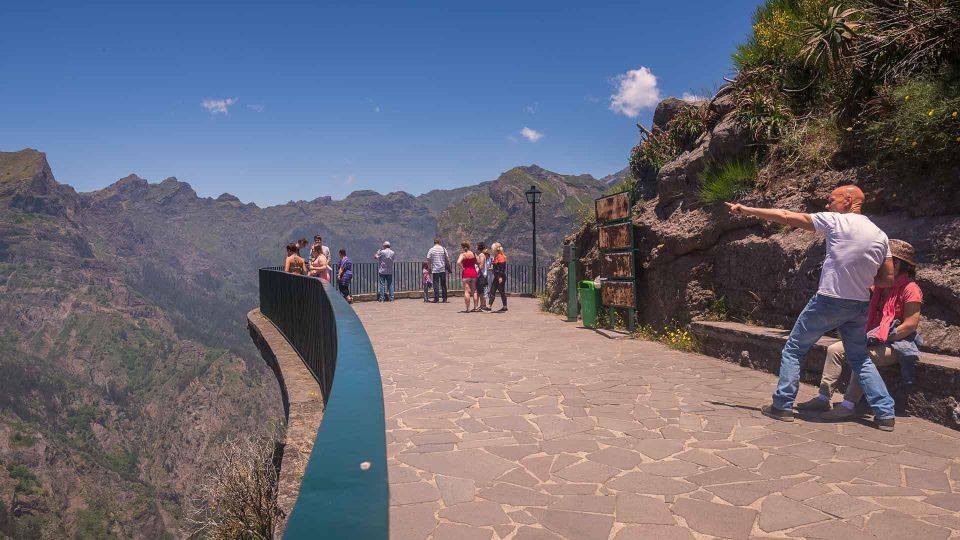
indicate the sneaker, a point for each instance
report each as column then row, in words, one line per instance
column 501, row 310
column 838, row 414
column 886, row 424
column 435, row 301
column 815, row 404
column 777, row 414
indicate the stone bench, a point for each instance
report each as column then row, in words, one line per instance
column 935, row 396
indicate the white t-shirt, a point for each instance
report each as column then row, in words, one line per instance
column 855, row 250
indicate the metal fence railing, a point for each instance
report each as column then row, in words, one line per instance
column 344, row 489
column 407, row 277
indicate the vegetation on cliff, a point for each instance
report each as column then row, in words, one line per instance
column 821, row 77
column 826, row 93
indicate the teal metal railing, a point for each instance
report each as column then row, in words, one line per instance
column 344, row 490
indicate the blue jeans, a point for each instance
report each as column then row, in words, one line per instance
column 849, row 317
column 384, row 287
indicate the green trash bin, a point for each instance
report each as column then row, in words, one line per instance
column 589, row 302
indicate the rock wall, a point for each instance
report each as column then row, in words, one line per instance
column 692, row 254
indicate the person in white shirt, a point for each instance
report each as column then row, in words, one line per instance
column 439, row 261
column 858, row 256
column 318, row 241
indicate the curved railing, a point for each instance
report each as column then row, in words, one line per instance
column 344, row 490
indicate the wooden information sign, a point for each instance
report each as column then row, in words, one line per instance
column 616, row 265
column 614, row 207
column 618, row 293
column 616, row 236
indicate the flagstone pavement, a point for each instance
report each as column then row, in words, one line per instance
column 523, row 426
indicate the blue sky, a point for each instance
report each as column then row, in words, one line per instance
column 279, row 101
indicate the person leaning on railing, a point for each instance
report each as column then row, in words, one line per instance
column 294, row 263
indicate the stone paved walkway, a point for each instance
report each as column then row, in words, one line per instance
column 522, row 426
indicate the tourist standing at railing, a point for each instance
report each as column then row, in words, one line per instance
column 439, row 267
column 499, row 275
column 483, row 265
column 301, row 243
column 467, row 261
column 319, row 264
column 318, row 244
column 345, row 275
column 294, row 263
column 385, row 273
column 426, row 279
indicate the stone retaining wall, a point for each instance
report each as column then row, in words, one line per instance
column 302, row 407
column 938, row 377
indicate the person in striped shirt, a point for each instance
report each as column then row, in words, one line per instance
column 439, row 261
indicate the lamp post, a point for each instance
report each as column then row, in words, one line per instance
column 533, row 197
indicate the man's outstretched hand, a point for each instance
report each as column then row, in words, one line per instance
column 735, row 208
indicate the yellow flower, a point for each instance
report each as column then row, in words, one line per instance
column 930, row 112
column 897, row 139
column 958, row 139
column 914, row 143
column 906, row 98
column 954, row 114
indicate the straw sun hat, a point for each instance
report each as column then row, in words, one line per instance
column 903, row 251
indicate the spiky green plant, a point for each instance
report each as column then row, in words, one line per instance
column 727, row 181
column 829, row 41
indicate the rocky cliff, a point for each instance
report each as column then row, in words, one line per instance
column 696, row 259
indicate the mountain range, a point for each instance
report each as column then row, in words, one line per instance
column 122, row 331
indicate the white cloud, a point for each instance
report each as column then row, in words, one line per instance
column 590, row 98
column 636, row 89
column 692, row 98
column 255, row 107
column 531, row 135
column 219, row 106
column 350, row 180
column 532, row 109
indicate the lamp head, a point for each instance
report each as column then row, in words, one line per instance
column 533, row 195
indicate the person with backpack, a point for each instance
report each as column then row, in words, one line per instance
column 439, row 261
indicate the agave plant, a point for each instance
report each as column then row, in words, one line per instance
column 830, row 40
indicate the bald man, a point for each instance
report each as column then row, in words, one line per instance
column 858, row 256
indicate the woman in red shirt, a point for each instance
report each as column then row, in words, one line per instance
column 892, row 323
column 468, row 261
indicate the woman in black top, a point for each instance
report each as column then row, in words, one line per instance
column 499, row 275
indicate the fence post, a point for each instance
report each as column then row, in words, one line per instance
column 573, row 306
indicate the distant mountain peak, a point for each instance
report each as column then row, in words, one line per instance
column 227, row 197
column 27, row 164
